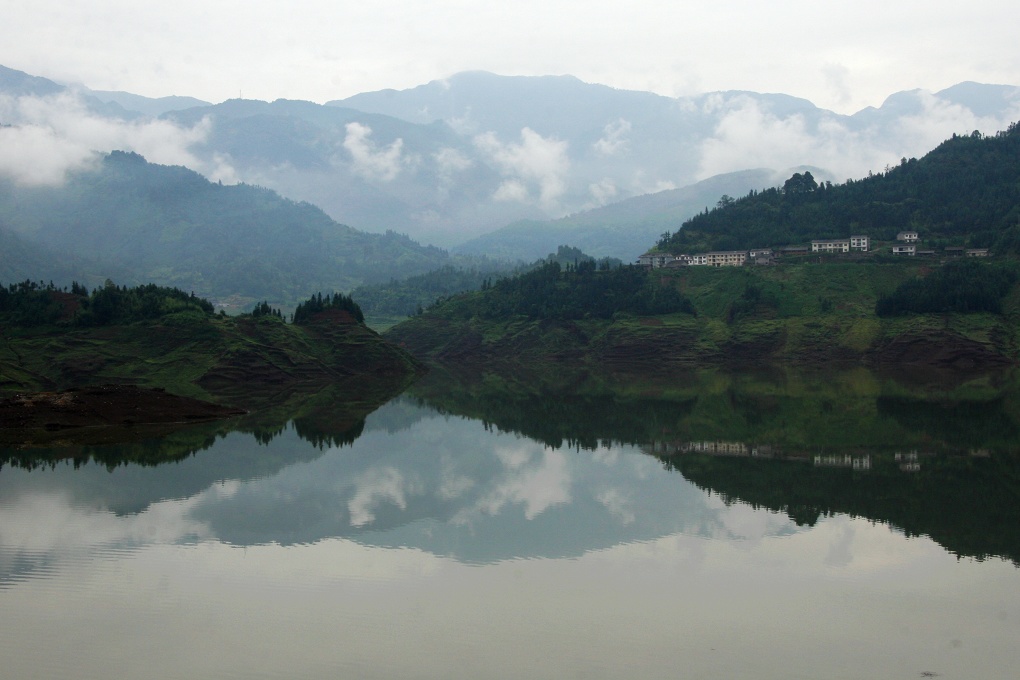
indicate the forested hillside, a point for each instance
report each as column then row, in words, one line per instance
column 966, row 192
column 171, row 226
column 154, row 336
column 405, row 297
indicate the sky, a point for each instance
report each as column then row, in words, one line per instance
column 842, row 55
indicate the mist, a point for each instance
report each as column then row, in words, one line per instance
column 45, row 138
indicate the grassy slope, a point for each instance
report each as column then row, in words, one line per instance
column 205, row 357
column 806, row 314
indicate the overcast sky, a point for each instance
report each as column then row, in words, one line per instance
column 841, row 54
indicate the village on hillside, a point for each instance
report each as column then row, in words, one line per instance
column 907, row 244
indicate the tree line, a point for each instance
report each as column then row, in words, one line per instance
column 32, row 303
column 584, row 290
column 306, row 311
column 964, row 286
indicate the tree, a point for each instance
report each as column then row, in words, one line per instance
column 800, row 184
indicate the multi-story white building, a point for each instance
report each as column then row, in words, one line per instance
column 860, row 242
column 655, row 260
column 726, row 258
column 835, row 245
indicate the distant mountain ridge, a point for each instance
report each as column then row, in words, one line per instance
column 455, row 159
column 623, row 229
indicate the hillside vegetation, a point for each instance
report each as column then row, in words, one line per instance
column 159, row 337
column 966, row 192
column 401, row 298
column 865, row 308
column 805, row 314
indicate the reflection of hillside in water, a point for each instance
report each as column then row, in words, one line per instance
column 465, row 483
column 965, row 502
column 942, row 459
column 782, row 410
column 204, row 454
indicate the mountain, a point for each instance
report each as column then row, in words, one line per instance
column 369, row 170
column 22, row 260
column 18, row 83
column 621, row 229
column 452, row 160
column 170, row 225
column 148, row 106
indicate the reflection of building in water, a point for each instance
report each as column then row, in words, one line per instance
column 846, row 460
column 876, row 462
column 714, row 448
column 908, row 462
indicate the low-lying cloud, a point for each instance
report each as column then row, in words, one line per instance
column 369, row 161
column 45, row 138
column 535, row 169
column 614, row 138
column 749, row 135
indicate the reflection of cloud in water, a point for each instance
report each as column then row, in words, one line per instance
column 535, row 477
column 618, row 505
column 841, row 552
column 40, row 528
column 747, row 524
column 46, row 522
column 375, row 487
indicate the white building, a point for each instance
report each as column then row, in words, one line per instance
column 836, row 245
column 860, row 242
column 726, row 258
column 655, row 260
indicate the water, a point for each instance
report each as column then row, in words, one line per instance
column 478, row 529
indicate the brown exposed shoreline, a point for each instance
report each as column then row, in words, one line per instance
column 105, row 406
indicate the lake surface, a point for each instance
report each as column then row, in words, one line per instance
column 706, row 527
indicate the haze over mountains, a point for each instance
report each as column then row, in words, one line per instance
column 458, row 159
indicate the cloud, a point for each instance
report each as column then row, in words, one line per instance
column 836, row 78
column 536, row 161
column 749, row 135
column 512, row 190
column 370, row 162
column 603, row 192
column 614, row 139
column 451, row 161
column 47, row 137
column 939, row 119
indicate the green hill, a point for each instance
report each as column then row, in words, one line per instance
column 795, row 314
column 966, row 192
column 159, row 337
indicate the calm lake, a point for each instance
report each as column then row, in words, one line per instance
column 702, row 526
